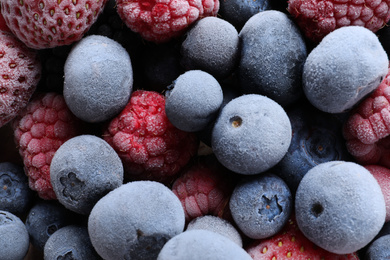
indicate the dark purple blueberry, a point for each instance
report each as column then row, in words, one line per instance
column 379, row 249
column 384, row 38
column 261, row 205
column 15, row 194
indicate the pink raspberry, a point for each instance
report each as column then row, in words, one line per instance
column 161, row 20
column 317, row 18
column 150, row 147
column 41, row 128
column 367, row 129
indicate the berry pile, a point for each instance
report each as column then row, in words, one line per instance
column 194, row 129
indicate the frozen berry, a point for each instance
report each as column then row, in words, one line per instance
column 379, row 249
column 83, row 170
column 148, row 144
column 97, row 87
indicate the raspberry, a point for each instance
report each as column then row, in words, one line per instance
column 367, row 129
column 317, row 18
column 46, row 24
column 20, row 72
column 150, row 147
column 161, row 20
column 41, row 128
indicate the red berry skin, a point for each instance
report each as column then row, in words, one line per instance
column 317, row 18
column 162, row 20
column 20, row 72
column 41, row 128
column 290, row 243
column 150, row 147
column 42, row 24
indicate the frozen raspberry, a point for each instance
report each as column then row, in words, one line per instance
column 161, row 20
column 367, row 129
column 45, row 23
column 204, row 188
column 41, row 128
column 150, row 147
column 317, row 18
column 20, row 72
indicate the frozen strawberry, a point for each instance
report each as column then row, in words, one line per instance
column 20, row 72
column 44, row 24
column 150, row 147
column 290, row 243
column 161, row 20
column 317, row 18
column 41, row 128
column 367, row 129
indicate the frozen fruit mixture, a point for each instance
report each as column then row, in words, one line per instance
column 194, row 129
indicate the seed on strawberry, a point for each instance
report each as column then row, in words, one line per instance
column 42, row 24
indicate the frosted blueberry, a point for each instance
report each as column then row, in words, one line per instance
column 84, row 169
column 251, row 134
column 98, row 78
column 339, row 206
column 346, row 65
column 193, row 100
column 379, row 249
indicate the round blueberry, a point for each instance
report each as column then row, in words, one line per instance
column 261, row 205
column 273, row 52
column 14, row 240
column 193, row 100
column 379, row 249
column 339, row 206
column 135, row 220
column 252, row 134
column 15, row 194
column 98, row 78
column 201, row 244
column 84, row 169
column 348, row 64
column 211, row 45
column 45, row 218
column 70, row 242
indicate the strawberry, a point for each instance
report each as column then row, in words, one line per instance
column 290, row 243
column 42, row 24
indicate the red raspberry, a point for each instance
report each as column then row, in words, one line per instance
column 317, row 18
column 204, row 188
column 161, row 20
column 367, row 129
column 20, row 72
column 150, row 147
column 41, row 128
column 42, row 24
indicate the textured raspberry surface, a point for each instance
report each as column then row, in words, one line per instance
column 20, row 71
column 367, row 129
column 150, row 147
column 290, row 243
column 204, row 188
column 41, row 128
column 161, row 20
column 317, row 18
column 44, row 24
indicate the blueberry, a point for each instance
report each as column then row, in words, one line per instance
column 98, row 79
column 252, row 134
column 339, row 206
column 211, row 45
column 218, row 225
column 348, row 64
column 71, row 242
column 193, row 100
column 45, row 218
column 135, row 220
column 84, row 169
column 379, row 249
column 14, row 240
column 15, row 194
column 316, row 139
column 261, row 205
column 273, row 53
column 201, row 244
